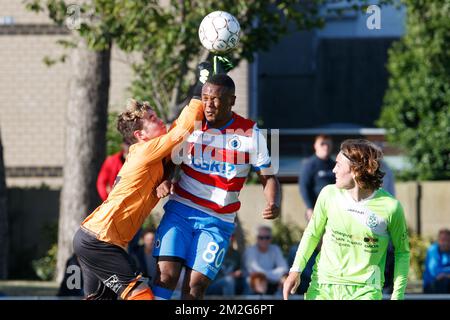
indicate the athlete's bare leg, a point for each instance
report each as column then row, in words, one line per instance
column 194, row 285
column 168, row 274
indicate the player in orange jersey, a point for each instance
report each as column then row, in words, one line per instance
column 108, row 270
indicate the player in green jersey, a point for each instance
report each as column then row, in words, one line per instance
column 356, row 218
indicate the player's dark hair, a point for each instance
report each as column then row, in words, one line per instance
column 132, row 120
column 222, row 80
column 148, row 230
column 323, row 137
column 365, row 162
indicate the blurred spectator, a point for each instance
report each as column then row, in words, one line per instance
column 258, row 283
column 264, row 264
column 143, row 255
column 230, row 277
column 388, row 179
column 436, row 278
column 316, row 172
column 109, row 170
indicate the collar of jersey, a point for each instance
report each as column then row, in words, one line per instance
column 225, row 126
column 362, row 201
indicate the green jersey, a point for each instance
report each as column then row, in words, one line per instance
column 356, row 235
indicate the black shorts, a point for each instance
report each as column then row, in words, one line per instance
column 107, row 269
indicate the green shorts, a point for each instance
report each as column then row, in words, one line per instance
column 318, row 291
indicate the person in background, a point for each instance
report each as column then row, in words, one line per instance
column 109, row 170
column 229, row 278
column 144, row 255
column 316, row 172
column 264, row 264
column 436, row 277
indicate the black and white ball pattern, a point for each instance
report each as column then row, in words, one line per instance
column 219, row 32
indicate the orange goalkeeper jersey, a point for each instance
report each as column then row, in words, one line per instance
column 133, row 197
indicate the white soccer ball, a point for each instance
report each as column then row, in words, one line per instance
column 219, row 32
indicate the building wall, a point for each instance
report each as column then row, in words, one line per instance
column 240, row 75
column 16, row 10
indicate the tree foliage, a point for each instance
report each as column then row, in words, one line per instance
column 165, row 37
column 417, row 103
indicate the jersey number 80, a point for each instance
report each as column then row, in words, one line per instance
column 212, row 254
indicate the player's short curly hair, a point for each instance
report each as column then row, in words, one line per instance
column 223, row 80
column 132, row 119
column 365, row 162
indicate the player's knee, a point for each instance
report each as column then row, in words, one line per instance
column 196, row 290
column 167, row 280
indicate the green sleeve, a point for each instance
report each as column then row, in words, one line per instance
column 399, row 235
column 313, row 233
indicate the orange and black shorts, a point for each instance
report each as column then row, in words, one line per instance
column 108, row 270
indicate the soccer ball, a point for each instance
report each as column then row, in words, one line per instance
column 219, row 32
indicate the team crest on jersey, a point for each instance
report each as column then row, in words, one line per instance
column 234, row 143
column 372, row 221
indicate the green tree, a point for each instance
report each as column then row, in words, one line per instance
column 416, row 109
column 165, row 37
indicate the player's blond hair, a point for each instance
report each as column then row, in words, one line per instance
column 132, row 119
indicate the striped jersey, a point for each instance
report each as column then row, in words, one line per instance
column 216, row 163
